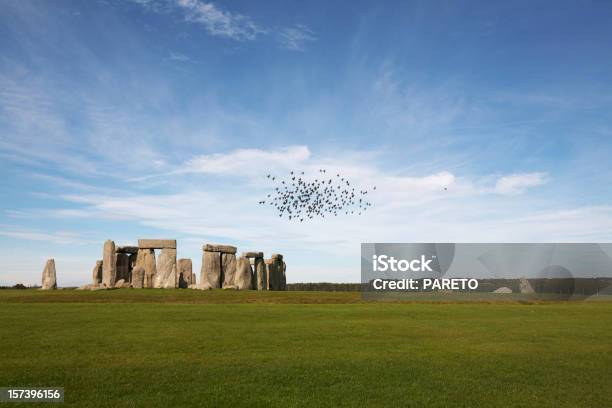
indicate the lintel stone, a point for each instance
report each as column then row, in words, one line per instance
column 253, row 254
column 157, row 243
column 226, row 249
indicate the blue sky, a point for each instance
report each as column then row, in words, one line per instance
column 128, row 119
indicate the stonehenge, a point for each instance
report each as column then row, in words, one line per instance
column 139, row 267
column 49, row 281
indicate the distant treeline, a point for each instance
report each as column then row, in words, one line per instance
column 584, row 286
column 327, row 287
column 19, row 286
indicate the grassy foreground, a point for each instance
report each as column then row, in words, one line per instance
column 179, row 348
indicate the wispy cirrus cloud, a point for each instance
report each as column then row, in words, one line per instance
column 295, row 38
column 221, row 22
column 517, row 183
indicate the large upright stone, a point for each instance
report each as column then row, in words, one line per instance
column 260, row 279
column 49, row 279
column 97, row 273
column 185, row 273
column 243, row 278
column 109, row 266
column 210, row 274
column 525, row 286
column 147, row 257
column 283, row 276
column 228, row 268
column 271, row 274
column 123, row 267
column 138, row 274
column 157, row 243
column 165, row 277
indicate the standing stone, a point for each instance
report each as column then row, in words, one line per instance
column 123, row 266
column 185, row 273
column 97, row 273
column 138, row 275
column 165, row 277
column 149, row 267
column 109, row 266
column 271, row 274
column 133, row 259
column 211, row 275
column 228, row 266
column 525, row 286
column 49, row 281
column 260, row 280
column 283, row 276
column 243, row 279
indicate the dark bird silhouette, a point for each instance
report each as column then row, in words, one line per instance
column 303, row 199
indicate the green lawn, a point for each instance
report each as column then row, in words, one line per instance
column 181, row 348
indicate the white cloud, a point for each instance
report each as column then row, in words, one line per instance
column 56, row 237
column 177, row 56
column 518, row 183
column 220, row 22
column 294, row 38
column 247, row 161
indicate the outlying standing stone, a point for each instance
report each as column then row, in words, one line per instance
column 49, row 281
column 109, row 266
column 525, row 286
column 97, row 273
column 243, row 278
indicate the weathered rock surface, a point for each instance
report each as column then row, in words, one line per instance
column 210, row 273
column 123, row 266
column 150, row 268
column 271, row 274
column 243, row 278
column 165, row 277
column 193, row 286
column 260, row 278
column 97, row 273
column 109, row 265
column 126, row 250
column 525, row 286
column 121, row 283
column 228, row 268
column 185, row 273
column 253, row 254
column 138, row 274
column 283, row 276
column 49, row 279
column 227, row 249
column 157, row 243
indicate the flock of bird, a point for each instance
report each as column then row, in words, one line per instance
column 298, row 198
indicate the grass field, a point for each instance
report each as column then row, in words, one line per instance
column 180, row 348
